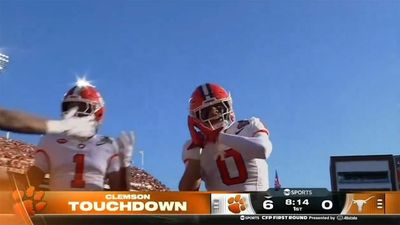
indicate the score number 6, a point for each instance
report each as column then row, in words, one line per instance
column 268, row 204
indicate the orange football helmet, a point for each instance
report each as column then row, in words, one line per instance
column 207, row 96
column 88, row 100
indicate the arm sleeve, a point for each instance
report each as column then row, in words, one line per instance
column 193, row 153
column 257, row 145
column 114, row 161
column 42, row 160
column 114, row 164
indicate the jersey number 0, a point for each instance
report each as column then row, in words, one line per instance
column 241, row 167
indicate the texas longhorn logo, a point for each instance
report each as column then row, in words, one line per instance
column 361, row 202
column 31, row 200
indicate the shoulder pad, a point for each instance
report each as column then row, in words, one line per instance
column 258, row 124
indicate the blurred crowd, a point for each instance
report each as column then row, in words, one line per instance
column 16, row 156
column 140, row 180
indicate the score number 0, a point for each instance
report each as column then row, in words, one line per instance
column 327, row 204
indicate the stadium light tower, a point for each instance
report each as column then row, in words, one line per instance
column 142, row 154
column 4, row 60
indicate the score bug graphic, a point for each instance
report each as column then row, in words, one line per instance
column 231, row 204
column 297, row 201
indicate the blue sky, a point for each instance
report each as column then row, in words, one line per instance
column 323, row 75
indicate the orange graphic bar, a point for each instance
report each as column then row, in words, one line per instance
column 119, row 203
column 392, row 203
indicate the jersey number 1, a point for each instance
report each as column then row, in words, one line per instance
column 241, row 167
column 78, row 181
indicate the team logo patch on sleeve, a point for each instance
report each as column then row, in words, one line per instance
column 104, row 140
column 242, row 124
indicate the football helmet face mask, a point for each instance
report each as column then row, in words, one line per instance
column 87, row 99
column 211, row 104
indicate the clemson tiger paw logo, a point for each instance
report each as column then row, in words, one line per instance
column 237, row 204
column 31, row 200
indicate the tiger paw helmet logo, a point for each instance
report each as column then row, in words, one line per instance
column 31, row 200
column 237, row 204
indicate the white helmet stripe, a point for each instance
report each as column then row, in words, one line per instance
column 76, row 91
column 205, row 91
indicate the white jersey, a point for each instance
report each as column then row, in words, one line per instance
column 229, row 168
column 74, row 164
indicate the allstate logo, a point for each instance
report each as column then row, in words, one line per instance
column 286, row 192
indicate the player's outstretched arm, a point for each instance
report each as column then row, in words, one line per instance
column 191, row 178
column 20, row 122
column 72, row 125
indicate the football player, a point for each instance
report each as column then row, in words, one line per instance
column 83, row 163
column 227, row 155
column 20, row 122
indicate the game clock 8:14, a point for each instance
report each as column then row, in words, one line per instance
column 297, row 200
